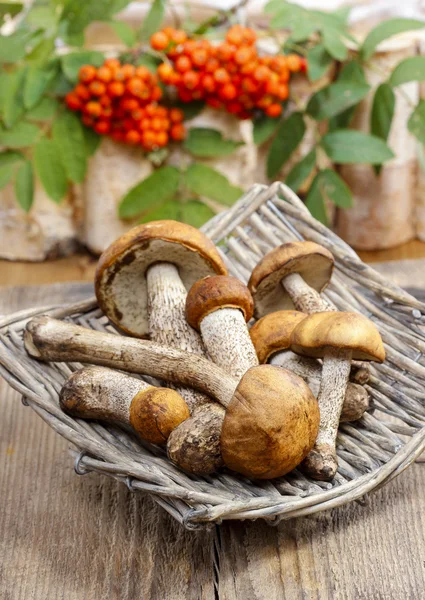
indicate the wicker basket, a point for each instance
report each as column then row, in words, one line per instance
column 371, row 451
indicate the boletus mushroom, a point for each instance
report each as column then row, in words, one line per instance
column 105, row 394
column 292, row 276
column 218, row 307
column 272, row 417
column 142, row 280
column 337, row 337
column 271, row 336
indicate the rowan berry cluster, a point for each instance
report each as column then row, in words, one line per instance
column 230, row 75
column 121, row 100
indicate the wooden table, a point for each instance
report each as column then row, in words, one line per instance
column 89, row 538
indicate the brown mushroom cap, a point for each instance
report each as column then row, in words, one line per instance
column 313, row 262
column 156, row 412
column 272, row 333
column 120, row 281
column 271, row 423
column 212, row 293
column 344, row 330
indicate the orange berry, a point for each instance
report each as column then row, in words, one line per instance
column 176, row 115
column 128, row 71
column 183, row 64
column 86, row 73
column 112, row 63
column 132, row 136
column 93, row 108
column 243, row 55
column 178, row 132
column 249, row 67
column 199, row 57
column 168, row 31
column 262, row 73
column 159, row 40
column 165, row 124
column 304, row 65
column 225, row 52
column 208, row 83
column 107, row 112
column 234, row 107
column 161, row 139
column 222, row 76
column 145, row 124
column 129, row 104
column 249, row 85
column 278, row 63
column 137, row 115
column 274, row 110
column 235, row 35
column 185, row 95
column 265, row 102
column 272, row 87
column 102, row 127
column 249, row 36
column 214, row 102
column 189, row 46
column 87, row 120
column 294, row 62
column 73, row 102
column 150, row 110
column 228, row 92
column 178, row 36
column 156, row 93
column 156, row 124
column 148, row 139
column 161, row 111
column 165, row 72
column 105, row 100
column 283, row 91
column 118, row 136
column 104, row 74
column 82, row 92
column 127, row 124
column 143, row 73
column 191, row 80
column 97, row 88
column 136, row 86
column 211, row 65
column 116, row 89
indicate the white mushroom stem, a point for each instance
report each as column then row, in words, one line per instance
column 167, row 320
column 304, row 297
column 356, row 400
column 53, row 340
column 99, row 393
column 322, row 462
column 227, row 341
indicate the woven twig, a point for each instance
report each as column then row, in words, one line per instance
column 371, row 451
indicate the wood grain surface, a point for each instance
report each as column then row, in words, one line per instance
column 89, row 538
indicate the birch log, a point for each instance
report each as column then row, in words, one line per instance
column 382, row 214
column 46, row 232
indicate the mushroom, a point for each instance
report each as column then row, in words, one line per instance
column 141, row 282
column 271, row 336
column 337, row 337
column 218, row 307
column 99, row 393
column 292, row 276
column 272, row 418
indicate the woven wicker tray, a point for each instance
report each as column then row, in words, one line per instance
column 371, row 451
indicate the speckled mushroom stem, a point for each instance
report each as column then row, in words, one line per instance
column 356, row 399
column 322, row 462
column 304, row 297
column 167, row 321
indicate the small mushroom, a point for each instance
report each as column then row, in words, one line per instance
column 337, row 337
column 105, row 394
column 292, row 276
column 272, row 418
column 271, row 336
column 218, row 307
column 141, row 282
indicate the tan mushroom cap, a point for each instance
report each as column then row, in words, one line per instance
column 312, row 261
column 120, row 281
column 212, row 293
column 271, row 423
column 272, row 333
column 344, row 330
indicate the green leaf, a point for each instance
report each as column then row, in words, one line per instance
column 335, row 99
column 410, row 69
column 50, row 170
column 196, row 213
column 9, row 158
column 351, row 72
column 13, row 46
column 190, row 109
column 318, row 61
column 346, row 146
column 315, row 201
column 6, row 174
column 20, row 135
column 124, row 32
column 10, row 8
column 24, row 186
column 42, row 17
column 335, row 189
column 382, row 111
column 152, row 191
column 13, row 103
column 91, row 140
column 77, row 15
column 171, row 209
column 71, row 63
column 299, row 173
column 208, row 143
column 42, row 51
column 334, row 43
column 288, row 136
column 149, row 61
column 44, row 110
column 263, row 129
column 386, row 30
column 153, row 19
column 206, row 181
column 36, row 83
column 69, row 139
column 416, row 122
